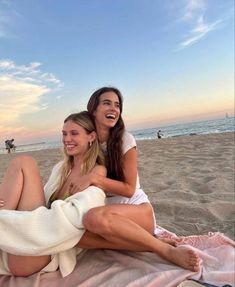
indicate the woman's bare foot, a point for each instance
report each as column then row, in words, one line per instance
column 184, row 257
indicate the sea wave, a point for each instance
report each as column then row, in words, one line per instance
column 176, row 130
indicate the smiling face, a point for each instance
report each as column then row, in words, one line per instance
column 108, row 110
column 76, row 139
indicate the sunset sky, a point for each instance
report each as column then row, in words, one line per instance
column 173, row 61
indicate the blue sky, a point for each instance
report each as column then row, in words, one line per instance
column 173, row 60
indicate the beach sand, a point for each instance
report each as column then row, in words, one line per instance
column 189, row 180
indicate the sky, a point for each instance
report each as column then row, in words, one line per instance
column 173, row 61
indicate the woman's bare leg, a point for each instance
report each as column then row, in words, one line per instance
column 146, row 221
column 93, row 241
column 125, row 227
column 22, row 189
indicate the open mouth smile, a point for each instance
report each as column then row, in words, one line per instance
column 110, row 116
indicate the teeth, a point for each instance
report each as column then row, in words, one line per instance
column 70, row 146
column 110, row 116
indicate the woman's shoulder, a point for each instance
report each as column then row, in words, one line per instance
column 127, row 135
column 57, row 166
column 55, row 171
column 128, row 141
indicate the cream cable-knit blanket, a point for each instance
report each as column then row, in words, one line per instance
column 53, row 231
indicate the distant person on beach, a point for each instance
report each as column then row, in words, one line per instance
column 128, row 207
column 9, row 145
column 159, row 134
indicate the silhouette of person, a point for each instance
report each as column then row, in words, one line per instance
column 9, row 145
column 159, row 134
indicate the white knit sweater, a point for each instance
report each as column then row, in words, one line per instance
column 53, row 231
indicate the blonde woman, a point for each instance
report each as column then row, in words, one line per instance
column 22, row 190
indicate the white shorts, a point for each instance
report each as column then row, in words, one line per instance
column 139, row 197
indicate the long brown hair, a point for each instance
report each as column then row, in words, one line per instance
column 93, row 155
column 114, row 158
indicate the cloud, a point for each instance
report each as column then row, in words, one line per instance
column 49, row 77
column 193, row 15
column 200, row 31
column 59, row 97
column 191, row 7
column 22, row 88
column 8, row 131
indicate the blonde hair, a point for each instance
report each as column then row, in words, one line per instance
column 93, row 155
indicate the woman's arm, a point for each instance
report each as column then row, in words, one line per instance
column 84, row 181
column 123, row 188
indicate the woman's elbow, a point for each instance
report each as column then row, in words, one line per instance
column 130, row 191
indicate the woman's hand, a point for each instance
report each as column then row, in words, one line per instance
column 99, row 171
column 81, row 184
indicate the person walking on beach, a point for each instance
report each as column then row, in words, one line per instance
column 9, row 145
column 22, row 189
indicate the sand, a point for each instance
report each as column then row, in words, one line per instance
column 189, row 180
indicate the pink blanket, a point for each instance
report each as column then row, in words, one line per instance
column 106, row 268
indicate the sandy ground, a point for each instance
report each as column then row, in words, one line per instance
column 189, row 180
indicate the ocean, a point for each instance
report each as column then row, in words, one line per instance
column 186, row 129
column 199, row 128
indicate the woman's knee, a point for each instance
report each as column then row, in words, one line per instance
column 23, row 161
column 98, row 220
column 149, row 212
column 149, row 222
